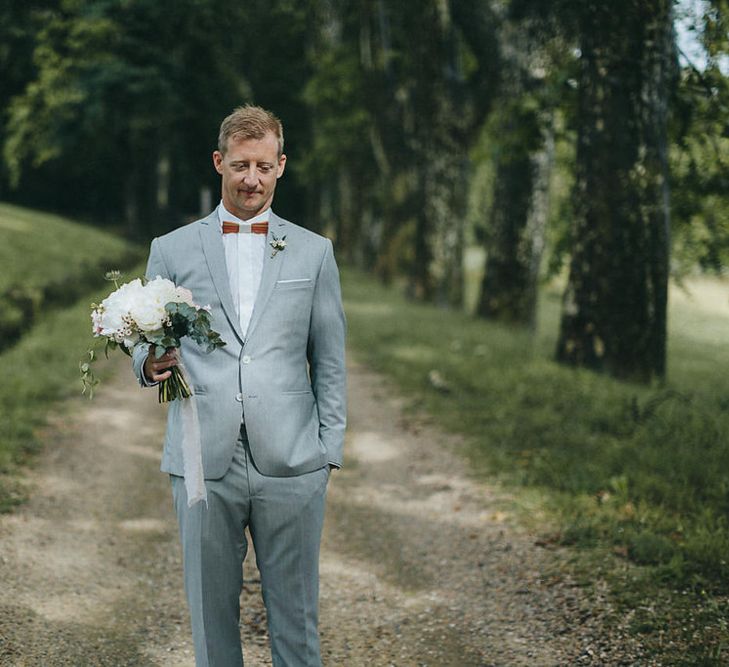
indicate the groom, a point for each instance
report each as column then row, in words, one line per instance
column 271, row 403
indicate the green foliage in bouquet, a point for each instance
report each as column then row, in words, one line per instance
column 185, row 320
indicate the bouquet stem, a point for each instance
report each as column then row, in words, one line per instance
column 174, row 386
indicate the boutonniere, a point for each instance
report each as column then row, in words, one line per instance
column 277, row 244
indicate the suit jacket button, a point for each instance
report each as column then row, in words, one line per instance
column 246, row 359
column 239, row 398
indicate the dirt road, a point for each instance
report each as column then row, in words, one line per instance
column 420, row 565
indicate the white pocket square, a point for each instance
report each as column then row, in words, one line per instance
column 293, row 280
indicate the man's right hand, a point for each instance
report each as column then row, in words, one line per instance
column 156, row 370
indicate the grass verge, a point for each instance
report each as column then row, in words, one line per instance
column 50, row 261
column 40, row 370
column 636, row 478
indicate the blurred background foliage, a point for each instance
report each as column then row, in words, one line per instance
column 469, row 150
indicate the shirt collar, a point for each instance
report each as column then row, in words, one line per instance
column 225, row 214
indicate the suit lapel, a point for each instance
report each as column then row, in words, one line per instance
column 271, row 269
column 212, row 243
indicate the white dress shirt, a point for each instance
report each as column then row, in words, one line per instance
column 244, row 254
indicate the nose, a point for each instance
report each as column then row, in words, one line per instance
column 250, row 179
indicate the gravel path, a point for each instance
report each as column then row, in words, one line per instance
column 420, row 565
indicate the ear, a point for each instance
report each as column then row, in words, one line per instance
column 281, row 165
column 218, row 161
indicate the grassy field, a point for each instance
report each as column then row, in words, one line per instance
column 635, row 478
column 46, row 261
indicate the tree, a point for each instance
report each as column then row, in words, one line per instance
column 520, row 133
column 455, row 78
column 393, row 118
column 614, row 309
column 18, row 25
column 120, row 113
column 340, row 161
column 699, row 134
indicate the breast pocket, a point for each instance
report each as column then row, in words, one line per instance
column 293, row 283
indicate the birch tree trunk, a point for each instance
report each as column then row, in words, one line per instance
column 444, row 196
column 614, row 308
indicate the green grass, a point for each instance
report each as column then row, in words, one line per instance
column 636, row 478
column 40, row 370
column 38, row 248
column 47, row 261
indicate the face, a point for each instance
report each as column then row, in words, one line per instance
column 250, row 169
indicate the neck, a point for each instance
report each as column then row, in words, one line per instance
column 245, row 215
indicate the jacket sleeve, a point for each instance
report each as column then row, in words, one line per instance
column 155, row 267
column 326, row 357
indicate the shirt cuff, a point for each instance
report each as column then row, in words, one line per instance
column 146, row 382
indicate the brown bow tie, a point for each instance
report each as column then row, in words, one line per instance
column 235, row 228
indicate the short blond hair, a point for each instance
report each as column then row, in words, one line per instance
column 250, row 122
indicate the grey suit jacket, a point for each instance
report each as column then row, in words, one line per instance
column 286, row 379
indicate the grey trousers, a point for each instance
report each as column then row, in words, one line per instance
column 285, row 516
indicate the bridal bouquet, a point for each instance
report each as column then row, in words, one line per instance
column 155, row 312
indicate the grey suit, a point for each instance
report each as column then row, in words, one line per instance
column 286, row 382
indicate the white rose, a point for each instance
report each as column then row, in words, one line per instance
column 116, row 307
column 160, row 290
column 148, row 315
column 148, row 307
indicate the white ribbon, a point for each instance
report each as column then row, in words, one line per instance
column 192, row 448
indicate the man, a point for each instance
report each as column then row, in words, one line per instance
column 271, row 403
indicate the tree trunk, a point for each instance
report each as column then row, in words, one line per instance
column 522, row 139
column 515, row 238
column 539, row 214
column 614, row 310
column 440, row 147
column 442, row 228
column 345, row 220
column 141, row 187
column 420, row 285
